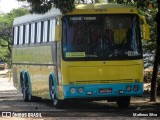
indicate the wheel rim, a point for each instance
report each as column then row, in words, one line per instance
column 26, row 92
column 53, row 94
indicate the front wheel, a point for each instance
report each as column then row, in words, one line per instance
column 53, row 95
column 123, row 102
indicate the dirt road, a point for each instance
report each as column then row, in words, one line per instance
column 12, row 103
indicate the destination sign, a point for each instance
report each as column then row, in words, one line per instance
column 82, row 18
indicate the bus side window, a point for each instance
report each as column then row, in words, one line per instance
column 21, row 35
column 18, row 35
column 41, row 31
column 29, row 38
column 45, row 26
column 32, row 33
column 35, row 33
column 27, row 34
column 52, row 30
column 15, row 35
column 48, row 30
column 24, row 27
column 38, row 40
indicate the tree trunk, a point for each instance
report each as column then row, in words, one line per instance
column 157, row 58
column 154, row 77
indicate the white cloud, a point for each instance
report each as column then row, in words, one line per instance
column 8, row 5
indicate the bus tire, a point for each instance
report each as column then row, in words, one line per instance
column 123, row 102
column 56, row 102
column 26, row 90
column 21, row 81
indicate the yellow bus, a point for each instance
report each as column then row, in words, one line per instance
column 92, row 53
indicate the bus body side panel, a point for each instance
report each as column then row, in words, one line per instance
column 38, row 61
column 16, row 76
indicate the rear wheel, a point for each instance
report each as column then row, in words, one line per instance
column 26, row 91
column 123, row 102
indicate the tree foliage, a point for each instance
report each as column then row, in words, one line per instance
column 42, row 6
column 6, row 21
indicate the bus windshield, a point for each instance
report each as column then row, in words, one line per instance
column 101, row 37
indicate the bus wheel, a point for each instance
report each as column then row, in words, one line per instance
column 123, row 102
column 56, row 102
column 26, row 91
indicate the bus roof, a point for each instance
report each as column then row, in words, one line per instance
column 36, row 17
column 98, row 8
column 102, row 6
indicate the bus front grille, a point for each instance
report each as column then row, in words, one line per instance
column 103, row 81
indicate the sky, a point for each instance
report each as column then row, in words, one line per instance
column 8, row 5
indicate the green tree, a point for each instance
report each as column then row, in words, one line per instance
column 42, row 6
column 6, row 21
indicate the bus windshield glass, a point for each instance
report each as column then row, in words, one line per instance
column 101, row 37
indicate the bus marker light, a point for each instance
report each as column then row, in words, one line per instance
column 129, row 88
column 80, row 90
column 136, row 88
column 73, row 90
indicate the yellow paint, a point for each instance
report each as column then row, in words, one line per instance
column 104, row 9
column 32, row 54
column 102, row 71
column 39, row 74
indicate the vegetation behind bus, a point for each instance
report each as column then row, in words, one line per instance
column 6, row 21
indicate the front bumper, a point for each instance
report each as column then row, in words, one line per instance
column 102, row 90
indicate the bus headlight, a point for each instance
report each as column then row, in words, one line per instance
column 73, row 90
column 80, row 90
column 136, row 88
column 129, row 88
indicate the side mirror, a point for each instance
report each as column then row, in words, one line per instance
column 145, row 32
column 58, row 33
column 145, row 29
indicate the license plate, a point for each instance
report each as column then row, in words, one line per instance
column 105, row 90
